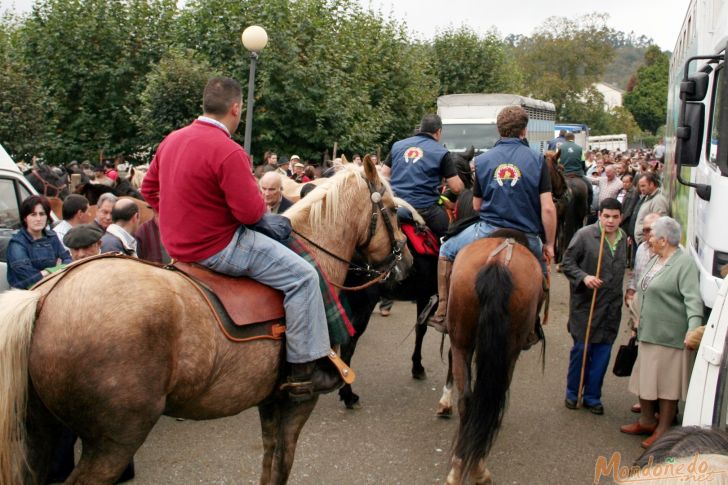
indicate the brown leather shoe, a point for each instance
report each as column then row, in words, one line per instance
column 638, row 428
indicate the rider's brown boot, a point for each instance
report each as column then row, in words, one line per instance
column 438, row 320
column 311, row 378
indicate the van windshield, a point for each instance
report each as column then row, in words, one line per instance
column 461, row 137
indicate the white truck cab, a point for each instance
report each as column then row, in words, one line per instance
column 13, row 189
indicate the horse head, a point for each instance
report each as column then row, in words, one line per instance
column 558, row 181
column 462, row 165
column 47, row 181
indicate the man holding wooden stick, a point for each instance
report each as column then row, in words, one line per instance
column 594, row 263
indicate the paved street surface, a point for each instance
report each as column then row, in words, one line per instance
column 395, row 437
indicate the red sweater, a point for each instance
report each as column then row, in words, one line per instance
column 201, row 183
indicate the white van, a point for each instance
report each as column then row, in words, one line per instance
column 13, row 189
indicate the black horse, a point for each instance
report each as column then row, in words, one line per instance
column 571, row 208
column 48, row 181
column 419, row 286
column 122, row 187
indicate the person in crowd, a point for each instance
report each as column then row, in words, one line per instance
column 659, row 151
column 579, row 265
column 609, row 184
column 270, row 161
column 385, row 306
column 641, row 258
column 629, row 197
column 271, row 185
column 555, row 143
column 652, row 201
column 34, row 251
column 104, row 206
column 356, row 160
column 100, row 176
column 670, row 310
column 149, row 242
column 202, row 219
column 119, row 236
column 83, row 241
column 110, row 170
column 307, row 189
column 74, row 211
column 416, row 167
column 310, row 173
column 512, row 190
column 298, row 173
column 284, row 167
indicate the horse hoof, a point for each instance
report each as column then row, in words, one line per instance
column 352, row 402
column 444, row 412
column 419, row 374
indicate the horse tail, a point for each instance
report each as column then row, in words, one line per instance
column 16, row 328
column 484, row 406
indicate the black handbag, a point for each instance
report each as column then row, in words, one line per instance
column 626, row 358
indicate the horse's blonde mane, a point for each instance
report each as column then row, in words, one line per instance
column 329, row 201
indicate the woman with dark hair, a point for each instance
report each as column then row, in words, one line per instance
column 35, row 249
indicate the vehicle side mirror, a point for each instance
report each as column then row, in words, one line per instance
column 695, row 88
column 722, row 124
column 689, row 135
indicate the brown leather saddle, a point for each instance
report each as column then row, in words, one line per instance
column 247, row 309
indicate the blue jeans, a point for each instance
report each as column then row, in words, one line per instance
column 259, row 257
column 479, row 230
column 597, row 361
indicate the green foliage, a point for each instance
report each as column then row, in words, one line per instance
column 172, row 96
column 91, row 56
column 564, row 57
column 468, row 63
column 648, row 99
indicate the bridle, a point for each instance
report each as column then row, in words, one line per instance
column 383, row 269
column 46, row 184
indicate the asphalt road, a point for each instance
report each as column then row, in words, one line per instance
column 395, row 437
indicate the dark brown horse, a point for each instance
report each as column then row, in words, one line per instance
column 572, row 205
column 495, row 295
column 108, row 370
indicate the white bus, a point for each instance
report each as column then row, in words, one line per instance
column 696, row 184
column 470, row 120
column 612, row 143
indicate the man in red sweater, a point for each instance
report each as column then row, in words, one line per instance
column 201, row 183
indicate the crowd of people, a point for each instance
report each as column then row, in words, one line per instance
column 205, row 212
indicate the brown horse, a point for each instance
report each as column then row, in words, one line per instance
column 108, row 370
column 495, row 295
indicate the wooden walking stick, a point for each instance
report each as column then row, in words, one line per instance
column 589, row 322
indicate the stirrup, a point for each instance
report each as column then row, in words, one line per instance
column 436, row 324
column 298, row 391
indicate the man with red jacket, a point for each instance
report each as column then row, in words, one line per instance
column 200, row 181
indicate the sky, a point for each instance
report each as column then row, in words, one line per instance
column 659, row 19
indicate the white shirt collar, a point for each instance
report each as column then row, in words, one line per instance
column 211, row 121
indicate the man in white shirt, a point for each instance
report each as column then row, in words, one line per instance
column 75, row 211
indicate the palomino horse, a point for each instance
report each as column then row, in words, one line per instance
column 420, row 285
column 108, row 370
column 495, row 294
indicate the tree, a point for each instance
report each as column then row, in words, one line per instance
column 468, row 63
column 647, row 101
column 91, row 56
column 565, row 57
column 172, row 96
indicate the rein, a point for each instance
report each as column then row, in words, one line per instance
column 389, row 263
column 46, row 184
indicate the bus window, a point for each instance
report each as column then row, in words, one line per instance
column 714, row 131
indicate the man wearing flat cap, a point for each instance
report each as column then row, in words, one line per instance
column 83, row 241
column 298, row 175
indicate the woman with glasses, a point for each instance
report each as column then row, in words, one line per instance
column 35, row 250
column 670, row 310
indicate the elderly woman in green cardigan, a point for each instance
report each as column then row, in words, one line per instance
column 671, row 310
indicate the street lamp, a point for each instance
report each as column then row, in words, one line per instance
column 254, row 39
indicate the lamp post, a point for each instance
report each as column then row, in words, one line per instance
column 254, row 39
